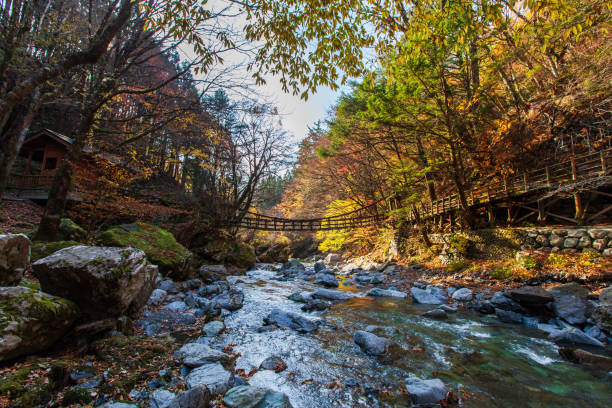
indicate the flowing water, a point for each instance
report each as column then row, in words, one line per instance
column 487, row 363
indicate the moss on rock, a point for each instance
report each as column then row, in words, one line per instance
column 159, row 245
column 71, row 231
column 43, row 249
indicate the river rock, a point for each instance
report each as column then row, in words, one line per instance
column 508, row 316
column 481, row 307
column 293, row 267
column 212, row 271
column 436, row 314
column 573, row 336
column 425, row 391
column 300, row 297
column 329, row 294
column 502, row 300
column 272, row 363
column 245, row 396
column 428, row 296
column 214, row 288
column 584, row 357
column 169, row 286
column 463, row 295
column 114, row 404
column 31, row 321
column 291, row 320
column 213, row 376
column 177, row 306
column 231, row 300
column 163, row 321
column 603, row 317
column 570, row 302
column 213, row 328
column 14, row 257
column 103, row 282
column 196, row 354
column 605, row 297
column 332, row 259
column 157, row 297
column 319, row 266
column 378, row 292
column 371, row 343
column 326, row 279
column 531, row 296
column 161, row 398
column 315, row 304
column 198, row 397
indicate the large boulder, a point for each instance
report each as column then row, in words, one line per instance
column 463, row 295
column 378, row 292
column 501, row 300
column 531, row 296
column 223, row 250
column 103, row 282
column 44, row 249
column 14, row 257
column 245, row 396
column 605, row 297
column 573, row 336
column 198, row 397
column 274, row 253
column 570, row 302
column 196, row 354
column 330, row 294
column 31, row 321
column 159, row 245
column 163, row 321
column 231, row 300
column 371, row 343
column 292, row 321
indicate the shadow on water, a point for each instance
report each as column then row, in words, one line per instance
column 487, row 363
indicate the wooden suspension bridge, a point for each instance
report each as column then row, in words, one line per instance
column 544, row 187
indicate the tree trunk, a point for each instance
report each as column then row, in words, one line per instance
column 14, row 137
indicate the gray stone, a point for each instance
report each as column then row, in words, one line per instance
column 378, row 292
column 271, row 363
column 119, row 405
column 531, row 296
column 425, row 296
column 327, row 280
column 603, row 317
column 198, row 397
column 161, row 398
column 319, row 266
column 556, row 241
column 584, row 242
column 177, row 306
column 315, row 304
column 600, row 244
column 31, row 321
column 213, row 328
column 157, row 297
column 169, row 286
column 293, row 267
column 213, row 376
column 14, row 257
column 329, row 294
column 542, row 240
column 560, row 232
column 425, row 391
column 436, row 314
column 573, row 336
column 371, row 343
column 570, row 302
column 291, row 320
column 507, row 316
column 607, row 251
column 448, row 308
column 462, row 295
column 103, row 282
column 196, row 354
column 163, row 321
column 208, row 271
column 595, row 332
column 332, row 259
column 300, row 297
column 245, row 396
column 570, row 242
column 605, row 297
column 577, row 233
column 598, row 233
column 231, row 300
column 502, row 300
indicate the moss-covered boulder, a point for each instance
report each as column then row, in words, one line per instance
column 103, row 282
column 43, row 249
column 71, row 231
column 31, row 321
column 229, row 252
column 14, row 256
column 161, row 247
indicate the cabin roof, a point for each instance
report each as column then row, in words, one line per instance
column 63, row 139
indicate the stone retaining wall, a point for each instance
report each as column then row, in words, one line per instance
column 570, row 239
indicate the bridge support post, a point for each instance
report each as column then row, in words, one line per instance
column 490, row 214
column 579, row 206
column 541, row 212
